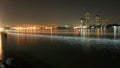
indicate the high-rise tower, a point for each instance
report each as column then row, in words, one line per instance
column 97, row 20
column 87, row 18
column 104, row 21
column 82, row 21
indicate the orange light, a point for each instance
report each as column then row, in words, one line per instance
column 1, row 52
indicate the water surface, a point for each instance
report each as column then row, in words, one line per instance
column 62, row 49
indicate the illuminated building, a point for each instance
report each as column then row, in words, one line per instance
column 87, row 18
column 97, row 20
column 104, row 21
column 82, row 21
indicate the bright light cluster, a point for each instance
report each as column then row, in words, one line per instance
column 1, row 29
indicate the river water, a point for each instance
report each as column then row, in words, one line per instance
column 81, row 48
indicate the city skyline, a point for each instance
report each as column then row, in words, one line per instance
column 56, row 11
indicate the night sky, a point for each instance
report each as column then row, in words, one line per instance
column 58, row 12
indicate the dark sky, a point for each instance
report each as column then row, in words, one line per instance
column 59, row 12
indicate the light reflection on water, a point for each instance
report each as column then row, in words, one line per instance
column 86, row 37
column 97, row 33
column 63, row 49
column 72, row 37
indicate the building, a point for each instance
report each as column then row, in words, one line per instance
column 82, row 21
column 87, row 18
column 97, row 20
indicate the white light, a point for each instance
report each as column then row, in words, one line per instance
column 1, row 29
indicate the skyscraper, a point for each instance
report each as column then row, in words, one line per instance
column 87, row 18
column 104, row 21
column 82, row 21
column 97, row 20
